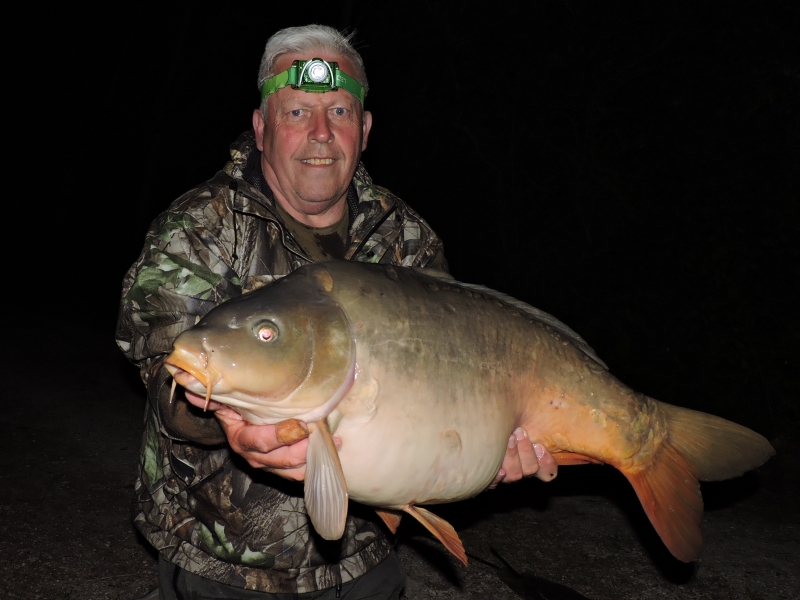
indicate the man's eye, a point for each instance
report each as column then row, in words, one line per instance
column 339, row 111
column 296, row 112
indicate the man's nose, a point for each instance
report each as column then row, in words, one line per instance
column 320, row 131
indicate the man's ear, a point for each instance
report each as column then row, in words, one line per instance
column 258, row 126
column 366, row 125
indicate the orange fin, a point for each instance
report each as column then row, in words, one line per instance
column 566, row 459
column 670, row 495
column 698, row 446
column 716, row 448
column 391, row 518
column 443, row 531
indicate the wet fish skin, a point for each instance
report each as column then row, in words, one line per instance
column 423, row 378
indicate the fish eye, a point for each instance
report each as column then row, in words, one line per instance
column 266, row 332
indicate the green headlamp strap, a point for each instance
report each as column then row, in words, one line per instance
column 315, row 76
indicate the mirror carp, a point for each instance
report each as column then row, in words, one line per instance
column 423, row 378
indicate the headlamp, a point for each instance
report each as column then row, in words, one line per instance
column 316, row 76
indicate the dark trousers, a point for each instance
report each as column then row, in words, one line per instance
column 384, row 582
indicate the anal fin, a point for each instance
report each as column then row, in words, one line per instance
column 440, row 528
column 325, row 486
column 391, row 518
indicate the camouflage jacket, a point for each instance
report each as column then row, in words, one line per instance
column 202, row 506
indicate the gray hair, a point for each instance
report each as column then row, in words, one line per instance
column 306, row 39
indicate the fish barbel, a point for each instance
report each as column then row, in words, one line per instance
column 423, row 378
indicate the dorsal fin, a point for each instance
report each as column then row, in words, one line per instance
column 539, row 315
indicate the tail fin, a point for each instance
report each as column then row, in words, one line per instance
column 698, row 447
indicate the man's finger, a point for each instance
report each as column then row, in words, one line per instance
column 250, row 438
column 200, row 402
column 285, row 458
column 290, row 431
column 528, row 457
column 548, row 469
column 501, row 474
column 511, row 463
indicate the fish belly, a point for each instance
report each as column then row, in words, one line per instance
column 421, row 444
column 436, row 391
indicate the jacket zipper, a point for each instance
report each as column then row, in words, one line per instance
column 234, row 187
column 373, row 230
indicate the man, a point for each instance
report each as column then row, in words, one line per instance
column 294, row 192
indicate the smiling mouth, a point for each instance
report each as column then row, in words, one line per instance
column 317, row 161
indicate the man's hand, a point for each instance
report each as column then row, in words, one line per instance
column 276, row 448
column 524, row 458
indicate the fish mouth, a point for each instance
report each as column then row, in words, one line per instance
column 188, row 380
column 192, row 372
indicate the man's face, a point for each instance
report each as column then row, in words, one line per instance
column 311, row 144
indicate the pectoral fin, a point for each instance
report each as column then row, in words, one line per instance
column 443, row 531
column 325, row 487
column 391, row 518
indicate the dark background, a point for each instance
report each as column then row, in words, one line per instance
column 631, row 168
